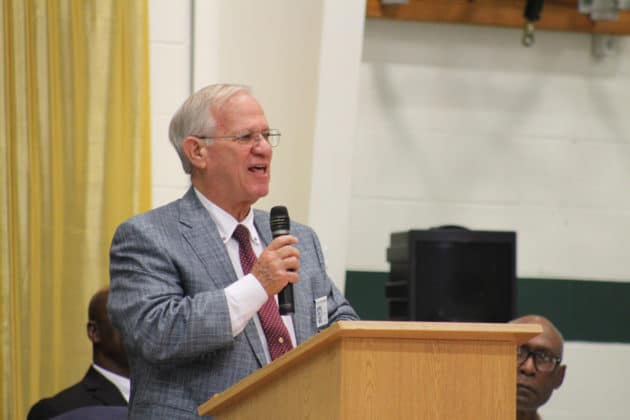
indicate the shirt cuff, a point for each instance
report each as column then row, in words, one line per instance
column 244, row 298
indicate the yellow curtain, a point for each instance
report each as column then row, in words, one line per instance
column 74, row 162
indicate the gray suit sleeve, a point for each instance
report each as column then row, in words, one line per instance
column 165, row 310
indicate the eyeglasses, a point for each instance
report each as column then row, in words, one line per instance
column 271, row 136
column 543, row 361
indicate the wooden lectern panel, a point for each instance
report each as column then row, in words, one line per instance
column 429, row 380
column 311, row 388
column 386, row 370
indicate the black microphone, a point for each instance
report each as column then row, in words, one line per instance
column 280, row 225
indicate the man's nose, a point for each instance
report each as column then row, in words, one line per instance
column 261, row 145
column 528, row 367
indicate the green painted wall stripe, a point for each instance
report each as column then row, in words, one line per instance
column 365, row 290
column 583, row 310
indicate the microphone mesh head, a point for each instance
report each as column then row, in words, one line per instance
column 279, row 221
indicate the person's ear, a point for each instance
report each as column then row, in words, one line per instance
column 559, row 377
column 93, row 332
column 195, row 150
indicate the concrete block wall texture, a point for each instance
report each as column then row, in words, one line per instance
column 170, row 60
column 459, row 124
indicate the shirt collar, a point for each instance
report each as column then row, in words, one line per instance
column 226, row 223
column 121, row 382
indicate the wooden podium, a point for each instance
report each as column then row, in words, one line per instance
column 386, row 370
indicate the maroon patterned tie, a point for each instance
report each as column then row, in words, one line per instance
column 278, row 339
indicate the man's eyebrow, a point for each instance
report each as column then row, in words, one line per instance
column 546, row 351
column 539, row 348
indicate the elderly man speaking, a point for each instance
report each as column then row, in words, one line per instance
column 194, row 283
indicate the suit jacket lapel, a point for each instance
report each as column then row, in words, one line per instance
column 251, row 332
column 301, row 319
column 201, row 233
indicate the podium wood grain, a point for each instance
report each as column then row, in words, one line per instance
column 386, row 370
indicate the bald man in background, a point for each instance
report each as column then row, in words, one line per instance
column 106, row 382
column 539, row 368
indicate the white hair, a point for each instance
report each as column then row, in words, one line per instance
column 194, row 116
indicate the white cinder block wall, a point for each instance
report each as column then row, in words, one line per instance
column 170, row 60
column 462, row 125
column 455, row 124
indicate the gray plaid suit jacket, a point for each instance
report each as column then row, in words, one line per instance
column 168, row 270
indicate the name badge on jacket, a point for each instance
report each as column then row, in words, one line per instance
column 321, row 312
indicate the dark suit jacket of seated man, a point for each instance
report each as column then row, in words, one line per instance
column 94, row 389
column 185, row 306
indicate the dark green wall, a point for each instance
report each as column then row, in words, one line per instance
column 583, row 310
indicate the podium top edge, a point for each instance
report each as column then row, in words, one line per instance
column 377, row 327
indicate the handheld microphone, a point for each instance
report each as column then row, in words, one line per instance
column 280, row 225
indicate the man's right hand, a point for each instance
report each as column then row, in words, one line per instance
column 277, row 265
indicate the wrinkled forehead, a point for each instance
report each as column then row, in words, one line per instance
column 241, row 111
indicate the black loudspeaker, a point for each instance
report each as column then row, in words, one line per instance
column 452, row 274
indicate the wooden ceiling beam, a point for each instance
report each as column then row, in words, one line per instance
column 561, row 15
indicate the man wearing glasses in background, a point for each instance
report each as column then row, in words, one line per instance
column 194, row 283
column 539, row 368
